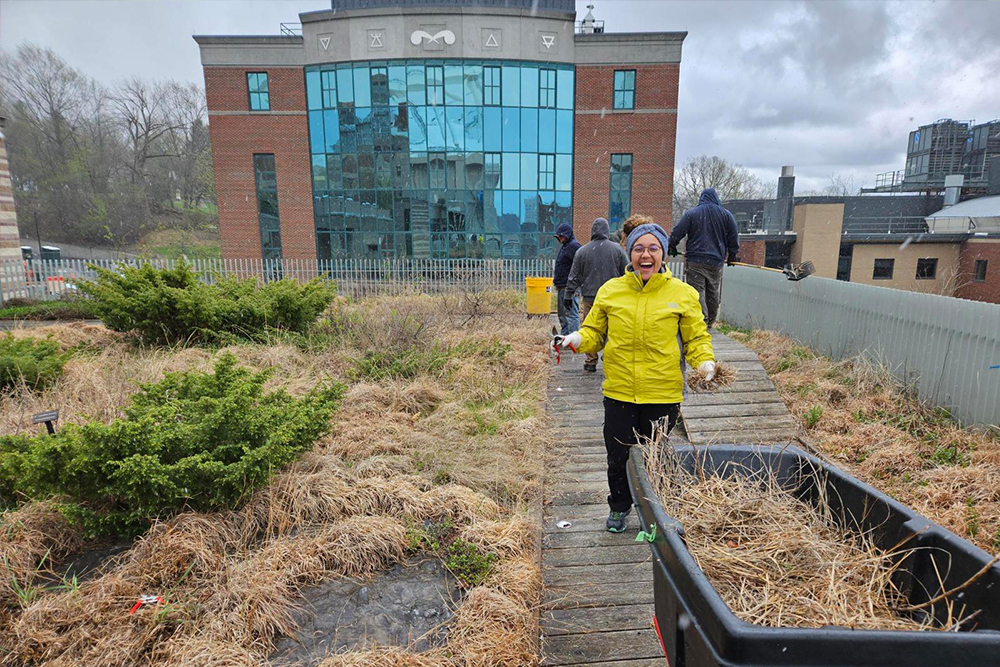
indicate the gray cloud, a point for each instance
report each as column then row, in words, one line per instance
column 830, row 86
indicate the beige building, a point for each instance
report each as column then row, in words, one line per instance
column 918, row 267
column 10, row 240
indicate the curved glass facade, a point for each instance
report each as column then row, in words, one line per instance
column 440, row 158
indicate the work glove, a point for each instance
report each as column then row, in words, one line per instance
column 732, row 259
column 568, row 303
column 573, row 340
column 708, row 369
column 672, row 251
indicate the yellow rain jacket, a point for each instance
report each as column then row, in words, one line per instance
column 637, row 327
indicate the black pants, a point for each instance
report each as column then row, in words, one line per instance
column 621, row 423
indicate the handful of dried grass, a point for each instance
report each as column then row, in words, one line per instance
column 780, row 561
column 725, row 375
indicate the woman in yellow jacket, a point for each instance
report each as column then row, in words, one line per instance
column 636, row 319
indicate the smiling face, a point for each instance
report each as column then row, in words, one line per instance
column 647, row 256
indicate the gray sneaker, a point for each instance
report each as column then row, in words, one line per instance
column 617, row 521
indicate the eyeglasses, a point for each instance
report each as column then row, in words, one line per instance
column 653, row 249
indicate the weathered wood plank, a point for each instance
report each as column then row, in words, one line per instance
column 593, row 497
column 581, row 649
column 606, row 619
column 740, row 423
column 731, row 398
column 591, row 474
column 593, row 538
column 753, row 409
column 596, row 574
column 596, row 595
column 739, row 437
column 607, row 556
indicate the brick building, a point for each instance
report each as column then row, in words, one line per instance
column 425, row 129
column 10, row 244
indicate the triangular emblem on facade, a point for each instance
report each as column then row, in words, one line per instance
column 324, row 42
column 492, row 41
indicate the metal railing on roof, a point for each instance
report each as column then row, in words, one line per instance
column 588, row 28
column 291, row 29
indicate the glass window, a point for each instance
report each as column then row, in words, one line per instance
column 624, row 89
column 511, row 129
column 418, row 128
column 546, row 172
column 474, row 171
column 366, row 170
column 511, row 81
column 491, row 86
column 334, row 173
column 492, row 129
column 350, row 171
column 455, row 120
column 620, row 204
column 348, row 135
column 529, row 86
column 380, row 85
column 456, row 170
column 328, row 85
column 436, row 170
column 529, row 171
column 529, row 130
column 397, row 84
column 314, row 95
column 564, row 91
column 418, row 171
column 980, row 272
column 316, row 144
column 362, row 87
column 473, row 84
column 547, row 88
column 883, row 269
column 363, row 132
column 345, row 88
column 415, row 85
column 926, row 268
column 319, row 173
column 564, row 172
column 435, row 84
column 547, row 130
column 331, row 130
column 491, row 170
column 266, row 178
column 435, row 128
column 511, row 164
column 474, row 128
column 564, row 131
column 454, row 84
column 257, row 91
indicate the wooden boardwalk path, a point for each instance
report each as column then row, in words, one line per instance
column 598, row 603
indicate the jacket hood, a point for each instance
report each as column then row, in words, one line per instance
column 600, row 229
column 565, row 229
column 655, row 281
column 709, row 196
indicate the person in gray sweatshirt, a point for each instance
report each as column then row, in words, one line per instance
column 593, row 265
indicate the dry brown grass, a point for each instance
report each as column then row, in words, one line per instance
column 725, row 376
column 781, row 562
column 401, row 452
column 873, row 427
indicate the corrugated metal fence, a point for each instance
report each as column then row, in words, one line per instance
column 949, row 348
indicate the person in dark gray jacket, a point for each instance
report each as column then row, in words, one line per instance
column 594, row 264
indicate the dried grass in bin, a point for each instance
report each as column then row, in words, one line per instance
column 778, row 561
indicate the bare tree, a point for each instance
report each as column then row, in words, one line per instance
column 841, row 186
column 730, row 180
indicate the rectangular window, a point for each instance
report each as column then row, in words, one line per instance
column 620, row 205
column 491, row 86
column 980, row 273
column 491, row 169
column 258, row 95
column 546, row 172
column 547, row 88
column 926, row 268
column 380, row 85
column 266, row 180
column 435, row 84
column 328, row 82
column 624, row 89
column 883, row 269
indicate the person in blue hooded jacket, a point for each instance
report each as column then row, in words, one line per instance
column 712, row 241
column 568, row 309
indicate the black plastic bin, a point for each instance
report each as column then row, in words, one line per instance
column 699, row 630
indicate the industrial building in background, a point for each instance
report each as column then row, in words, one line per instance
column 925, row 239
column 429, row 129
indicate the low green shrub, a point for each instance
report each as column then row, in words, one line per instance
column 37, row 362
column 194, row 440
column 68, row 309
column 168, row 306
column 468, row 563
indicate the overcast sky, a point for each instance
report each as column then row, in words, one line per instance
column 830, row 87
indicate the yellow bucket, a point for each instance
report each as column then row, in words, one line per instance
column 539, row 295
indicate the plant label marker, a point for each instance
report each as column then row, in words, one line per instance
column 143, row 600
column 46, row 418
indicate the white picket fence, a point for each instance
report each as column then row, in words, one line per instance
column 48, row 280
